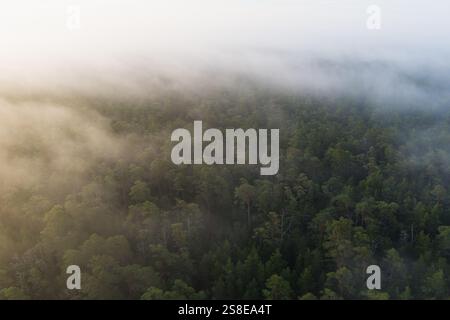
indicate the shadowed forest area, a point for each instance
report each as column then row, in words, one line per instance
column 89, row 181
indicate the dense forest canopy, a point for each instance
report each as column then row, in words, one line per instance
column 88, row 181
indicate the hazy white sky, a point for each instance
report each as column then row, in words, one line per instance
column 35, row 39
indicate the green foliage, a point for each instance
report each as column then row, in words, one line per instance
column 277, row 288
column 179, row 291
column 356, row 187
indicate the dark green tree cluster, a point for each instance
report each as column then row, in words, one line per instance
column 357, row 186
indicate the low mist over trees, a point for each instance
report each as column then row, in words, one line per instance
column 90, row 182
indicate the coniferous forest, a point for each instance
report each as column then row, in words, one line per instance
column 358, row 185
